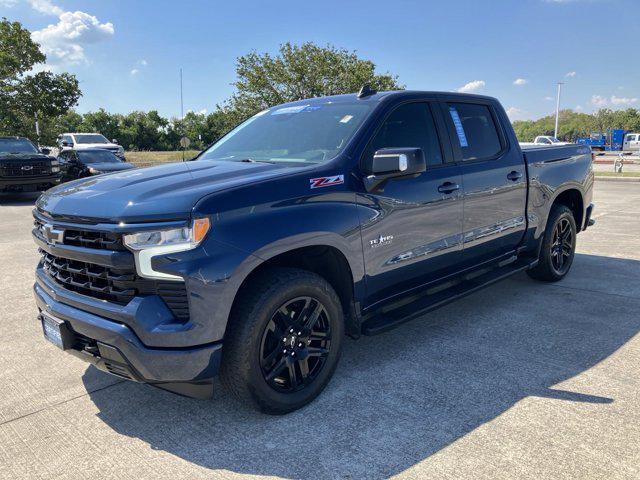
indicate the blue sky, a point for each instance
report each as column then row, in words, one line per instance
column 127, row 53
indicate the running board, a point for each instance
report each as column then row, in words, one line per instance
column 440, row 295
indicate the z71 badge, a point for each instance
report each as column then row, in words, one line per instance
column 326, row 181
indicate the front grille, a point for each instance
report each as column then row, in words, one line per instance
column 89, row 279
column 117, row 285
column 30, row 169
column 89, row 238
column 114, row 285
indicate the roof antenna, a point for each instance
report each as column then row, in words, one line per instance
column 366, row 91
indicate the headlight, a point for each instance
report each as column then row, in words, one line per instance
column 121, row 149
column 93, row 171
column 55, row 169
column 146, row 245
column 54, row 163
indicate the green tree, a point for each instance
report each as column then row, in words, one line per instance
column 26, row 97
column 298, row 72
column 101, row 121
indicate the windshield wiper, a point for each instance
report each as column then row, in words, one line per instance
column 251, row 160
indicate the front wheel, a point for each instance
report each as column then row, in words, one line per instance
column 558, row 246
column 283, row 341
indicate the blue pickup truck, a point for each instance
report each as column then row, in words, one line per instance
column 311, row 221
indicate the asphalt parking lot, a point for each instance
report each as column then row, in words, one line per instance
column 520, row 380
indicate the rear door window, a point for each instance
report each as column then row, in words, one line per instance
column 409, row 126
column 475, row 130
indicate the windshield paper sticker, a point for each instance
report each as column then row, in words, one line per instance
column 326, row 181
column 458, row 124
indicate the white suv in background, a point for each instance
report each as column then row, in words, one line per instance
column 82, row 141
column 548, row 140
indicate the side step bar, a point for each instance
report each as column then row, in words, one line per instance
column 442, row 294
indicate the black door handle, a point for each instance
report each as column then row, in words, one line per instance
column 513, row 176
column 448, row 187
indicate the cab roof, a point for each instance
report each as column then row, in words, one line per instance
column 379, row 97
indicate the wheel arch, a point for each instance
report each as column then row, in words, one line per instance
column 325, row 260
column 573, row 199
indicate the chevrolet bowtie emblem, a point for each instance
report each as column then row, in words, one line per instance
column 52, row 235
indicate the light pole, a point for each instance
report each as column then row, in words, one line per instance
column 555, row 133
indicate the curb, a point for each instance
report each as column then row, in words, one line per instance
column 617, row 179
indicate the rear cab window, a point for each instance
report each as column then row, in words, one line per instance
column 475, row 130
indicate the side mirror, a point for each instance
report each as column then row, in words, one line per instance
column 45, row 151
column 65, row 143
column 113, row 140
column 390, row 163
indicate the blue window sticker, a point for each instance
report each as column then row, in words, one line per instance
column 458, row 124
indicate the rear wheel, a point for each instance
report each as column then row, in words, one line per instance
column 558, row 246
column 284, row 340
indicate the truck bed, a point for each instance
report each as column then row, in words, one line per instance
column 546, row 153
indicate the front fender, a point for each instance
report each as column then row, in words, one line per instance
column 244, row 238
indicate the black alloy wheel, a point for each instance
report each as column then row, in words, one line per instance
column 562, row 246
column 295, row 344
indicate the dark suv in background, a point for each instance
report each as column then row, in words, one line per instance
column 93, row 161
column 26, row 168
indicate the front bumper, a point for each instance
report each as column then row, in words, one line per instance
column 27, row 183
column 114, row 348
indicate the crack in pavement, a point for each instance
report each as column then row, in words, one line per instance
column 20, row 417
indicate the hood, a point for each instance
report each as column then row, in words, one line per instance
column 110, row 166
column 165, row 192
column 23, row 157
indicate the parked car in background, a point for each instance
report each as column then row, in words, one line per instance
column 631, row 142
column 84, row 141
column 548, row 140
column 92, row 161
column 26, row 168
column 344, row 214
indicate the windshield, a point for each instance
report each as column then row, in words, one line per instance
column 97, row 156
column 312, row 133
column 91, row 139
column 17, row 145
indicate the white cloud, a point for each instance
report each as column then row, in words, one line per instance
column 515, row 113
column 65, row 41
column 520, row 81
column 139, row 65
column 599, row 101
column 8, row 3
column 46, row 7
column 579, row 108
column 623, row 100
column 472, row 86
column 549, row 99
column 570, row 74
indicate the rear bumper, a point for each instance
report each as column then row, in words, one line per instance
column 114, row 348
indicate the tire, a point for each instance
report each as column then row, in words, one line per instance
column 558, row 246
column 267, row 348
